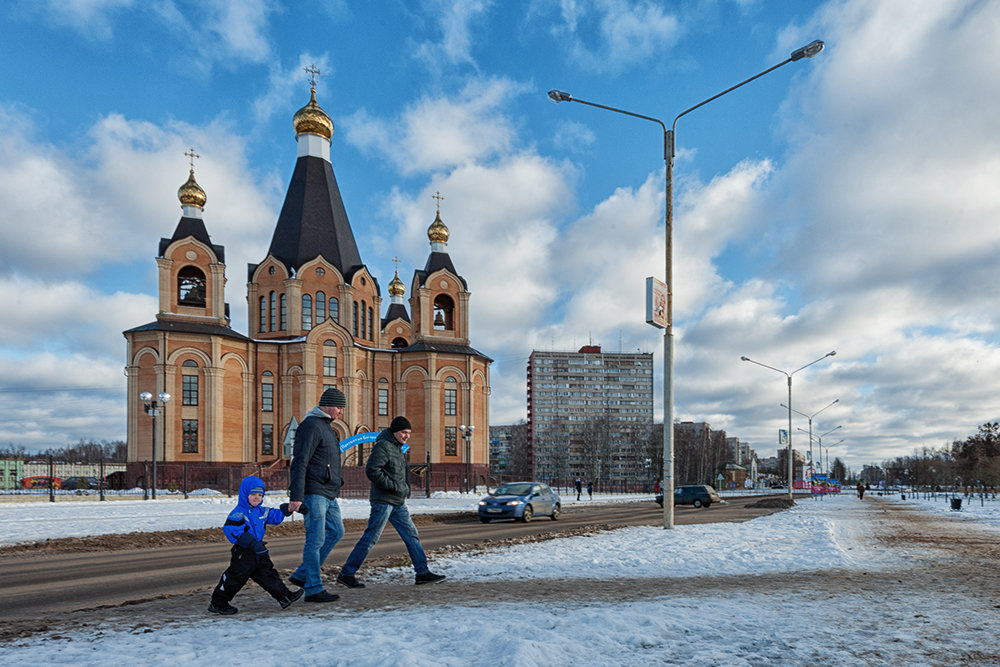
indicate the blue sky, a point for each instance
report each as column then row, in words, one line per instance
column 845, row 202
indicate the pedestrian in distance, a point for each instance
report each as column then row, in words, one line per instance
column 245, row 528
column 579, row 488
column 315, row 484
column 388, row 472
column 861, row 489
column 590, row 489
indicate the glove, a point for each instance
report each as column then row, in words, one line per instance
column 246, row 541
column 284, row 509
column 259, row 547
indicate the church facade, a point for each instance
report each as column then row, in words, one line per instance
column 315, row 321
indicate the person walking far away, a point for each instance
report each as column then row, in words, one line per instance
column 861, row 489
column 579, row 487
column 245, row 528
column 590, row 489
column 315, row 484
column 388, row 472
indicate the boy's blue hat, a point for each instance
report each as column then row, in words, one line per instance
column 256, row 489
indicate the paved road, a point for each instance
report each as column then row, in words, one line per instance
column 31, row 585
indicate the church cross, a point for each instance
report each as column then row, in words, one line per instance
column 439, row 200
column 191, row 155
column 395, row 260
column 313, row 73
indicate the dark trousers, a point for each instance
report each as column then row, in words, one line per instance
column 243, row 565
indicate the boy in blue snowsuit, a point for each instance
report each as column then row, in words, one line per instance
column 245, row 527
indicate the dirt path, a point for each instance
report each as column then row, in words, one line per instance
column 942, row 554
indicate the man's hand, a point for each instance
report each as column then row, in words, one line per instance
column 294, row 505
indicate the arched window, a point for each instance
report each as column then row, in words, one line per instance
column 267, row 392
column 399, row 343
column 189, row 383
column 444, row 313
column 329, row 359
column 274, row 306
column 371, row 323
column 307, row 312
column 363, row 335
column 263, row 314
column 355, row 318
column 284, row 312
column 191, row 286
column 383, row 397
column 334, row 309
column 320, row 308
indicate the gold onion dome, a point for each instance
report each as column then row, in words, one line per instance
column 437, row 232
column 311, row 119
column 191, row 193
column 396, row 287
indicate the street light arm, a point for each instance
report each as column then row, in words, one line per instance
column 558, row 96
column 807, row 51
column 828, row 354
column 785, row 373
column 795, row 411
column 831, row 430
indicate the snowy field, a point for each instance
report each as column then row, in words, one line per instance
column 741, row 628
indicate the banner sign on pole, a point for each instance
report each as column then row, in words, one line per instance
column 371, row 436
column 782, row 436
column 656, row 303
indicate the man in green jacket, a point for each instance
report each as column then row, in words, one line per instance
column 388, row 473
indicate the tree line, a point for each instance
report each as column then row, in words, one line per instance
column 85, row 451
column 972, row 462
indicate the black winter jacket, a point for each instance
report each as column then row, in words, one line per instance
column 387, row 471
column 315, row 458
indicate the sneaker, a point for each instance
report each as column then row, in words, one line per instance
column 223, row 608
column 287, row 601
column 295, row 581
column 430, row 578
column 322, row 596
column 349, row 580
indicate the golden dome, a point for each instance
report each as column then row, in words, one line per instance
column 311, row 119
column 191, row 193
column 396, row 287
column 437, row 232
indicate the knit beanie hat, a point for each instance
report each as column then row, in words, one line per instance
column 400, row 424
column 334, row 398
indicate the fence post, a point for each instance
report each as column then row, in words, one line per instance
column 427, row 475
column 185, row 480
column 145, row 480
column 229, row 481
column 100, row 477
column 52, row 481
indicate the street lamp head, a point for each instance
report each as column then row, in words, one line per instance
column 744, row 358
column 461, row 427
column 145, row 397
column 831, row 353
column 558, row 96
column 807, row 51
column 164, row 397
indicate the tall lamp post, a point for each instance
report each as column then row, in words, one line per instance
column 791, row 467
column 810, row 418
column 467, row 434
column 153, row 409
column 807, row 51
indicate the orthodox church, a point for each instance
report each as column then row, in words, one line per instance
column 315, row 321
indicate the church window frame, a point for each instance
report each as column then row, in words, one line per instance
column 191, row 287
column 450, row 398
column 189, row 389
column 189, row 436
column 284, row 312
column 450, row 441
column 267, row 439
column 383, row 398
column 307, row 312
column 273, row 302
column 334, row 309
column 320, row 307
column 263, row 315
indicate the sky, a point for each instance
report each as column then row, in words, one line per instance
column 813, row 538
column 843, row 202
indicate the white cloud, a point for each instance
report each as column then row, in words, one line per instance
column 91, row 18
column 611, row 35
column 442, row 132
column 454, row 19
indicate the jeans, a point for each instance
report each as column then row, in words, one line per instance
column 400, row 519
column 324, row 528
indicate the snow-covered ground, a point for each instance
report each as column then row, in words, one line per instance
column 742, row 628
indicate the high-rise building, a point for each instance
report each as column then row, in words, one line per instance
column 590, row 414
column 315, row 321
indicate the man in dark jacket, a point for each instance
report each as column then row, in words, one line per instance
column 387, row 471
column 315, row 485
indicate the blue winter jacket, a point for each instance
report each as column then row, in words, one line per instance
column 245, row 525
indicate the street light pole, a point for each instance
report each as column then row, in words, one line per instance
column 810, row 418
column 557, row 96
column 467, row 435
column 791, row 467
column 153, row 409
